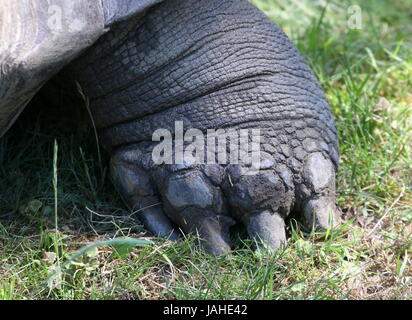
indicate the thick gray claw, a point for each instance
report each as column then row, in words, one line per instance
column 194, row 203
column 137, row 190
column 320, row 214
column 267, row 228
column 213, row 234
column 158, row 223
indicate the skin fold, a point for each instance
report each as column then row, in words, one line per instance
column 212, row 64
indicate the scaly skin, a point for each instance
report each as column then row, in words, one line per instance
column 212, row 64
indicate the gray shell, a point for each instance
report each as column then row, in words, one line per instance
column 39, row 37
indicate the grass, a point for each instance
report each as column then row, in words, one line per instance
column 367, row 76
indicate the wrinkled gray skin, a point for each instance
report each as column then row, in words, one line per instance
column 211, row 64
